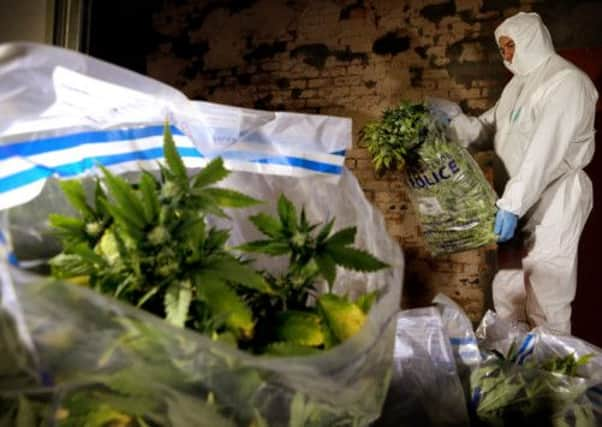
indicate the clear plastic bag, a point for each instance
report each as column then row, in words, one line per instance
column 535, row 378
column 454, row 202
column 72, row 345
column 425, row 388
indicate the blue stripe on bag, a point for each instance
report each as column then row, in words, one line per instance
column 462, row 340
column 57, row 143
column 10, row 256
column 526, row 348
column 301, row 163
column 38, row 172
column 53, row 144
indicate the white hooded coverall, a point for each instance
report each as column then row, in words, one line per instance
column 544, row 135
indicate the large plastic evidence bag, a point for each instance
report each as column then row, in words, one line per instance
column 520, row 391
column 61, row 114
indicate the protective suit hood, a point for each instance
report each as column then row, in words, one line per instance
column 532, row 40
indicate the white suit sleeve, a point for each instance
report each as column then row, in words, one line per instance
column 469, row 130
column 558, row 121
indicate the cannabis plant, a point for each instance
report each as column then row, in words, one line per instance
column 285, row 319
column 508, row 391
column 454, row 202
column 149, row 244
column 391, row 139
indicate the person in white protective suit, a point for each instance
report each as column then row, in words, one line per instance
column 543, row 128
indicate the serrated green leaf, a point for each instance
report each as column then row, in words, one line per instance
column 204, row 203
column 355, row 259
column 232, row 270
column 71, row 230
column 267, row 224
column 150, row 197
column 127, row 202
column 75, row 193
column 287, row 213
column 327, row 268
column 343, row 237
column 172, row 157
column 325, row 232
column 223, row 301
column 230, row 198
column 177, row 302
column 210, row 174
column 216, row 239
column 131, row 224
column 269, row 247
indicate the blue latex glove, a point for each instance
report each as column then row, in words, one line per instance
column 442, row 110
column 505, row 225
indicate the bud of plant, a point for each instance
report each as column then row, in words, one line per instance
column 299, row 239
column 94, row 229
column 158, row 235
column 169, row 190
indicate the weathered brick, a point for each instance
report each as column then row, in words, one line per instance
column 329, row 64
column 317, row 83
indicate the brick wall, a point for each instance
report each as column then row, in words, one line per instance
column 354, row 58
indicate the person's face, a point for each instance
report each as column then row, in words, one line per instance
column 506, row 48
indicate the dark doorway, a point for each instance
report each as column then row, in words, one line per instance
column 588, row 301
column 120, row 31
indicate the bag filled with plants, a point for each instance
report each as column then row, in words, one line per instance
column 454, row 202
column 230, row 275
column 535, row 379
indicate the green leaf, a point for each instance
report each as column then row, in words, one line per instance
column 366, row 301
column 150, row 198
column 343, row 237
column 355, row 259
column 269, row 247
column 188, row 410
column 210, row 174
column 290, row 349
column 224, row 302
column 299, row 327
column 70, row 230
column 70, row 265
column 128, row 205
column 74, row 190
column 344, row 318
column 232, row 270
column 87, row 254
column 288, row 214
column 177, row 302
column 149, row 294
column 216, row 238
column 127, row 223
column 327, row 268
column 325, row 231
column 172, row 157
column 230, row 198
column 267, row 224
column 67, row 223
